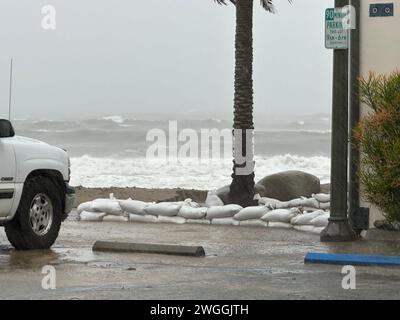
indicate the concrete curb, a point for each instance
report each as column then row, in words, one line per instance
column 106, row 246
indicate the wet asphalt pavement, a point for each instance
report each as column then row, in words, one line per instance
column 240, row 263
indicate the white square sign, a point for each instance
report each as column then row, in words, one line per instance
column 336, row 28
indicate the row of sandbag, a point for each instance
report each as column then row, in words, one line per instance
column 317, row 201
column 191, row 212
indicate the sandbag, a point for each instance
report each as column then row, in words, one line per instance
column 309, row 203
column 306, row 218
column 253, row 223
column 85, row 206
column 317, row 230
column 321, row 221
column 304, row 228
column 142, row 218
column 322, row 197
column 308, row 209
column 175, row 220
column 188, row 212
column 114, row 218
column 191, row 203
column 198, row 221
column 281, row 215
column 227, row 211
column 289, row 204
column 225, row 222
column 251, row 213
column 281, row 225
column 325, row 205
column 168, row 209
column 91, row 216
column 133, row 206
column 213, row 200
column 272, row 203
column 111, row 207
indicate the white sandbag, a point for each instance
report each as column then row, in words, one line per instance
column 114, row 218
column 281, row 225
column 191, row 203
column 295, row 203
column 213, row 200
column 253, row 223
column 133, row 206
column 198, row 221
column 306, row 218
column 189, row 212
column 251, row 213
column 281, row 215
column 111, row 207
column 322, row 197
column 227, row 211
column 175, row 220
column 289, row 204
column 304, row 228
column 308, row 209
column 309, row 203
column 321, row 221
column 263, row 201
column 225, row 222
column 168, row 209
column 317, row 230
column 91, row 216
column 148, row 218
column 85, row 206
column 325, row 205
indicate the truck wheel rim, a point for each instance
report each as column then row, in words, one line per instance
column 41, row 214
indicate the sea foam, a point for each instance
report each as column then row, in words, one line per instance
column 207, row 174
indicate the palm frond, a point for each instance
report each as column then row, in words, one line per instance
column 269, row 5
column 224, row 2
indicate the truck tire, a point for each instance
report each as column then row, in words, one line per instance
column 38, row 219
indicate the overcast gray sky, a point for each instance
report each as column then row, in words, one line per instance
column 130, row 56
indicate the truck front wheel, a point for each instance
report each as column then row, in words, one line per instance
column 38, row 219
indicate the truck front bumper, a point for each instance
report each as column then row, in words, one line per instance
column 69, row 198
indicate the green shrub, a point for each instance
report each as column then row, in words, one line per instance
column 378, row 139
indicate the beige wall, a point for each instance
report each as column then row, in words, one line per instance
column 380, row 52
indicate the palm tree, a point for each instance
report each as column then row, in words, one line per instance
column 242, row 186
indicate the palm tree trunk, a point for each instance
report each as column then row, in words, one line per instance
column 242, row 186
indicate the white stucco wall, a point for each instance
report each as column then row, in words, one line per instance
column 380, row 52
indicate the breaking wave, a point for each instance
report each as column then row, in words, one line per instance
column 91, row 171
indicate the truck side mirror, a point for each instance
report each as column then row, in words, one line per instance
column 6, row 129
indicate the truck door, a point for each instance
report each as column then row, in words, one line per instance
column 7, row 175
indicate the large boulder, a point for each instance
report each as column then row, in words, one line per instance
column 283, row 186
column 288, row 185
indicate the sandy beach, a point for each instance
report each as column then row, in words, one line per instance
column 87, row 194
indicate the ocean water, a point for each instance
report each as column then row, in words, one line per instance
column 111, row 150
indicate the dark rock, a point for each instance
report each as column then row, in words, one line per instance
column 283, row 186
column 289, row 185
column 325, row 188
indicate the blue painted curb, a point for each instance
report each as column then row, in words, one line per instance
column 352, row 259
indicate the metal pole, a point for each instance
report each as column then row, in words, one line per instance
column 339, row 228
column 10, row 93
column 354, row 159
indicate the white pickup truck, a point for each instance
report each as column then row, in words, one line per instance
column 35, row 196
